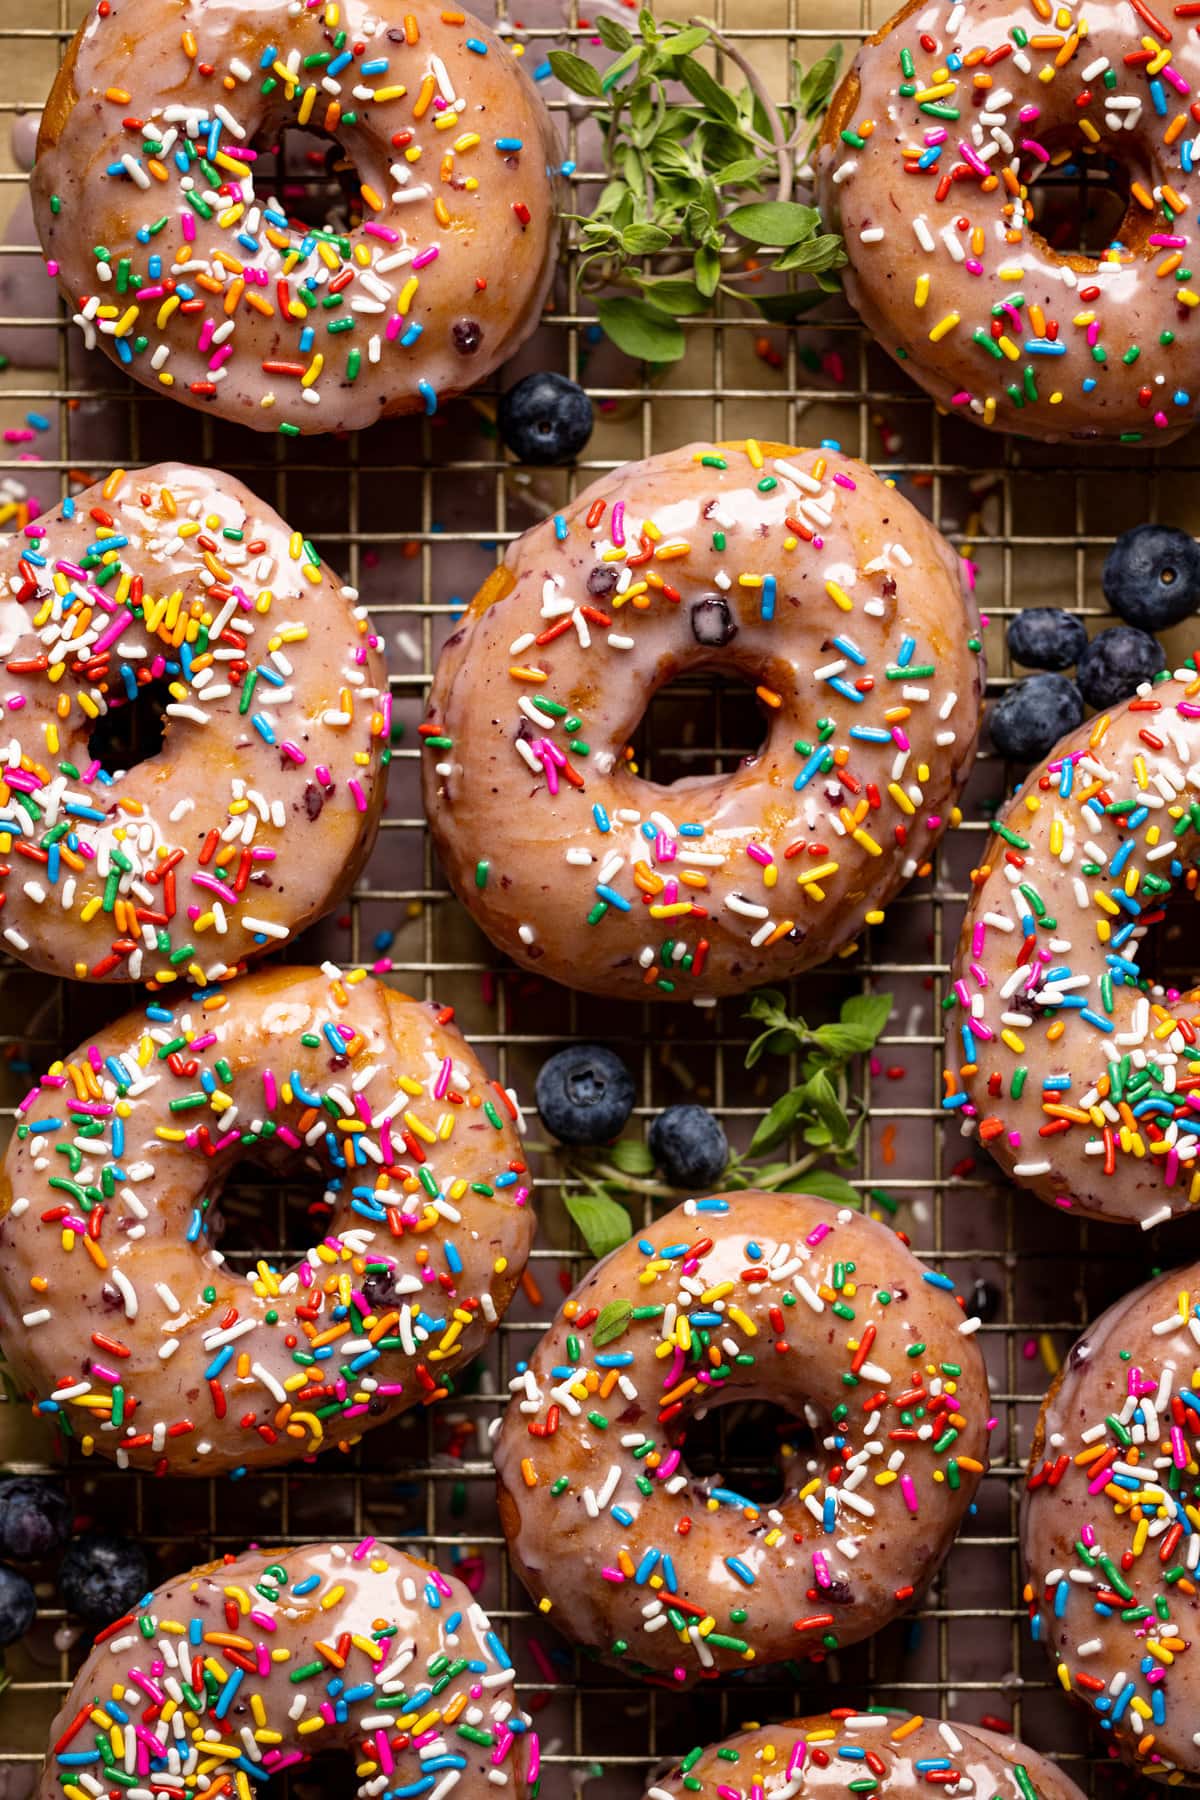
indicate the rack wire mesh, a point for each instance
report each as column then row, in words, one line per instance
column 414, row 512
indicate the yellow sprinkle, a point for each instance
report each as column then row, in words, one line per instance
column 944, row 327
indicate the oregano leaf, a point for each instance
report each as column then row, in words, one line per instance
column 576, row 74
column 640, row 329
column 612, row 1323
column 774, row 223
column 603, row 1223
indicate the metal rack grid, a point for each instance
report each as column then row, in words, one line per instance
column 412, row 512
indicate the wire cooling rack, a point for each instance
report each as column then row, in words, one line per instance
column 414, row 512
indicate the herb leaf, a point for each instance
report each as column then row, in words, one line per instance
column 576, row 74
column 612, row 1323
column 777, row 223
column 827, row 1184
column 604, row 1223
column 641, row 329
column 699, row 169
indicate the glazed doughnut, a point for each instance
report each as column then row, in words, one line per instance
column 194, row 278
column 797, row 570
column 1108, row 1525
column 261, row 806
column 240, row 1669
column 1062, row 1056
column 896, row 1755
column 123, row 1322
column 787, row 1299
column 929, row 163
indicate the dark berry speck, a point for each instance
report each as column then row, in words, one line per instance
column 712, row 622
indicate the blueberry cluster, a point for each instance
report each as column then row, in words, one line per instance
column 585, row 1095
column 1151, row 579
column 100, row 1576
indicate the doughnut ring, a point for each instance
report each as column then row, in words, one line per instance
column 260, row 808
column 1075, row 1072
column 751, row 1295
column 798, row 570
column 122, row 1320
column 929, row 165
column 243, row 1668
column 822, row 1756
column 195, row 278
column 1108, row 1538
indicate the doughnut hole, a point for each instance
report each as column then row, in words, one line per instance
column 252, row 1214
column 310, row 174
column 754, row 1447
column 132, row 731
column 1081, row 199
column 701, row 724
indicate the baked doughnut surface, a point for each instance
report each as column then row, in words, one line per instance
column 1063, row 1055
column 195, row 278
column 1108, row 1537
column 119, row 1316
column 270, row 1658
column 930, row 157
column 760, row 1296
column 797, row 571
column 826, row 1755
column 262, row 805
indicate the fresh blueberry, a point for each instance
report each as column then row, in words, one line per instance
column 18, row 1605
column 689, row 1146
column 102, row 1576
column 1152, row 576
column 1115, row 664
column 1028, row 720
column 35, row 1518
column 1046, row 637
column 545, row 418
column 584, row 1094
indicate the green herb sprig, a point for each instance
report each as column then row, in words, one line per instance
column 698, row 170
column 822, row 1111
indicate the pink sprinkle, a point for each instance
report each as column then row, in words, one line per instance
column 618, row 524
column 758, row 854
column 426, row 257
column 215, row 887
column 910, row 1494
